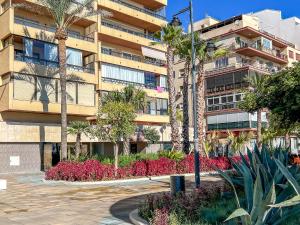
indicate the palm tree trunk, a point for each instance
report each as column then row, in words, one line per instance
column 116, row 155
column 78, row 145
column 126, row 145
column 61, row 36
column 201, row 107
column 185, row 97
column 287, row 140
column 175, row 137
column 259, row 127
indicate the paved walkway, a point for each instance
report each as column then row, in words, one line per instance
column 29, row 201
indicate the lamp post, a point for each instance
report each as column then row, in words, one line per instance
column 176, row 22
column 210, row 48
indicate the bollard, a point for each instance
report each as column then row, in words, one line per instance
column 177, row 184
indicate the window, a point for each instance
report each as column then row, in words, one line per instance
column 24, row 87
column 222, row 62
column 297, row 57
column 30, row 87
column 150, row 79
column 151, row 107
column 210, row 101
column 266, row 43
column 162, row 106
column 238, row 97
column 86, row 94
column 291, row 54
column 121, row 73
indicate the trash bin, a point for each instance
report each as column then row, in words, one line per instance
column 177, row 184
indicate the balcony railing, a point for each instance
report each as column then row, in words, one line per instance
column 254, row 45
column 33, row 24
column 137, row 58
column 89, row 68
column 224, row 106
column 225, row 68
column 123, row 82
column 227, row 87
column 120, row 28
column 147, row 11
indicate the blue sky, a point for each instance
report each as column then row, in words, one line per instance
column 223, row 9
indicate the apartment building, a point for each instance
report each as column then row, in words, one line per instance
column 104, row 54
column 251, row 51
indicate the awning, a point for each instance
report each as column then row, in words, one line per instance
column 152, row 53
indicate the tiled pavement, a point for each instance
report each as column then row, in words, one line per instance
column 29, row 201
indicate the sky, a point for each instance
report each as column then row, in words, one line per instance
column 224, row 9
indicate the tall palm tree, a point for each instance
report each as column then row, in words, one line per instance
column 130, row 95
column 171, row 36
column 256, row 83
column 64, row 13
column 203, row 54
column 78, row 128
column 184, row 52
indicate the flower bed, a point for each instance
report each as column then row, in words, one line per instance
column 93, row 170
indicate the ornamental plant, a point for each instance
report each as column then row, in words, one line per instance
column 92, row 170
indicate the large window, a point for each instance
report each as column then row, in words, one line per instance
column 124, row 75
column 35, row 88
column 157, row 106
column 46, row 51
column 221, row 62
column 222, row 102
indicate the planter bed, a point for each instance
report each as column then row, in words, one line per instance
column 93, row 170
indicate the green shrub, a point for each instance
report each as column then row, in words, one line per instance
column 271, row 188
column 175, row 155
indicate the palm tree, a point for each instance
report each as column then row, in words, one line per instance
column 256, row 86
column 184, row 52
column 64, row 13
column 78, row 128
column 129, row 95
column 171, row 36
column 203, row 54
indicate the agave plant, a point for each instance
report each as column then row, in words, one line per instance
column 271, row 188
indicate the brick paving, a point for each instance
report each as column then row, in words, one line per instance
column 29, row 201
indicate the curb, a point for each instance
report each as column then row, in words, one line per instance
column 136, row 219
column 125, row 181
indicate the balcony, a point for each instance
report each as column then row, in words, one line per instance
column 237, row 66
column 10, row 103
column 140, row 85
column 84, row 69
column 252, row 49
column 133, row 61
column 135, row 15
column 114, row 33
column 39, row 26
column 152, row 4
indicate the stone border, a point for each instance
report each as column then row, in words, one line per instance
column 136, row 219
column 110, row 182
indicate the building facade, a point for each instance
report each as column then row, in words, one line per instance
column 105, row 54
column 251, row 51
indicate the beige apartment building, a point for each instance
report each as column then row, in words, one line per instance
column 252, row 50
column 105, row 53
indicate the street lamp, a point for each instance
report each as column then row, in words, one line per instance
column 176, row 22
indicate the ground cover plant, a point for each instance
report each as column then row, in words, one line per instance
column 140, row 165
column 263, row 189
